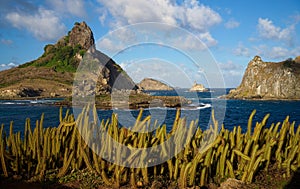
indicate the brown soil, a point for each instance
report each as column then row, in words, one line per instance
column 19, row 75
column 47, row 80
column 271, row 179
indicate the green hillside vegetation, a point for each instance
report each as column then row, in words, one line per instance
column 59, row 57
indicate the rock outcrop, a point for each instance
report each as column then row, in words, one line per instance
column 20, row 92
column 267, row 80
column 198, row 88
column 81, row 34
column 52, row 74
column 106, row 77
column 155, row 85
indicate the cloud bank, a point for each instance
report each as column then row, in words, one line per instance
column 44, row 24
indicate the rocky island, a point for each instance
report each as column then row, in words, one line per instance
column 269, row 80
column 152, row 84
column 52, row 75
column 198, row 88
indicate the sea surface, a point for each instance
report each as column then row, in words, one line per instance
column 229, row 112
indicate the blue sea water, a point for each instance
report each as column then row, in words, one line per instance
column 236, row 112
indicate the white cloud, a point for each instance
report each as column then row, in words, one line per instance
column 227, row 11
column 295, row 18
column 116, row 41
column 163, row 70
column 190, row 14
column 229, row 66
column 107, row 45
column 73, row 7
column 207, row 39
column 268, row 30
column 190, row 42
column 200, row 17
column 158, row 34
column 11, row 64
column 232, row 73
column 241, row 50
column 6, row 42
column 102, row 18
column 44, row 24
column 7, row 66
column 277, row 52
column 230, row 24
column 134, row 11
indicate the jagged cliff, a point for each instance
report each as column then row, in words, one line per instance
column 152, row 84
column 52, row 74
column 268, row 80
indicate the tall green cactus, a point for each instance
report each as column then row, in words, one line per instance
column 208, row 153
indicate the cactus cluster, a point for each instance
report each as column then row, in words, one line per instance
column 227, row 154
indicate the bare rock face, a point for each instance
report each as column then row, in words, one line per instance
column 81, row 34
column 104, row 77
column 20, row 92
column 155, row 85
column 267, row 80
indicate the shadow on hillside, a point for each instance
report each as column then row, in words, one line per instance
column 294, row 182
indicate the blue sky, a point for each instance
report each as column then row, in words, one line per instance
column 234, row 32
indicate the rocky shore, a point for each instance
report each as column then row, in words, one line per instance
column 123, row 100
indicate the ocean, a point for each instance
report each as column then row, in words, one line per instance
column 231, row 112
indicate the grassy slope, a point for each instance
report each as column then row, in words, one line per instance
column 59, row 57
column 52, row 72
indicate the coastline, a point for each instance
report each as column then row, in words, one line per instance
column 136, row 101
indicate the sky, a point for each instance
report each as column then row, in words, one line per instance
column 179, row 42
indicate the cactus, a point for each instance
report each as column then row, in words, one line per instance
column 2, row 151
column 249, row 128
column 67, row 161
column 132, row 178
column 207, row 154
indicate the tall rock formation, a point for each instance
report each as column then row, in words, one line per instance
column 267, row 80
column 101, row 75
column 52, row 73
column 81, row 34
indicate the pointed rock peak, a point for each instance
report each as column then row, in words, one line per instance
column 81, row 34
column 256, row 61
column 256, row 58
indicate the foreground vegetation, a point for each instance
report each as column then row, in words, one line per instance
column 51, row 154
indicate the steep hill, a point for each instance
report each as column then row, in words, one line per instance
column 268, row 80
column 67, row 53
column 52, row 74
